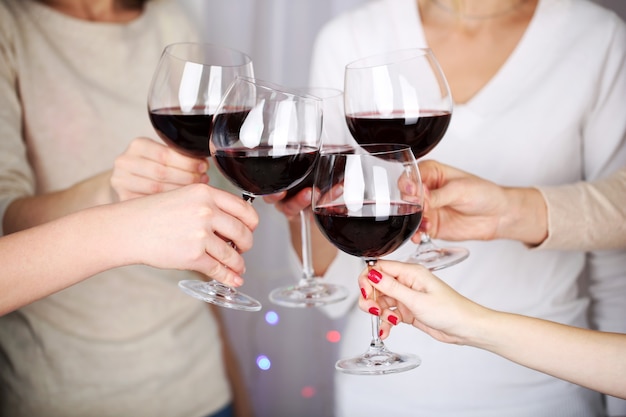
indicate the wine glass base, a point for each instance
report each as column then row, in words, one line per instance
column 378, row 362
column 436, row 258
column 215, row 292
column 308, row 295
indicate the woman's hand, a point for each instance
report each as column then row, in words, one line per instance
column 292, row 206
column 462, row 206
column 149, row 167
column 411, row 294
column 190, row 228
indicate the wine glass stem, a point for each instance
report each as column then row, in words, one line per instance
column 427, row 245
column 376, row 342
column 307, row 255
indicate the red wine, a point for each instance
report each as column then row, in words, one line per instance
column 421, row 133
column 263, row 170
column 308, row 180
column 364, row 234
column 185, row 131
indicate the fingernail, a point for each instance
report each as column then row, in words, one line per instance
column 363, row 293
column 374, row 311
column 374, row 276
column 393, row 319
column 380, row 333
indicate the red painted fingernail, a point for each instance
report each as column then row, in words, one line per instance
column 374, row 276
column 393, row 319
column 374, row 311
column 380, row 333
column 363, row 293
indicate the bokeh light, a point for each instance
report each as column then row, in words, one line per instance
column 271, row 317
column 333, row 336
column 263, row 362
column 308, row 392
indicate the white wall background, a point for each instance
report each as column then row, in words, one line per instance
column 278, row 35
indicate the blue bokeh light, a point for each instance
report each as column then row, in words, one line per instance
column 271, row 317
column 263, row 362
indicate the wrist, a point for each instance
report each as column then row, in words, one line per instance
column 488, row 330
column 526, row 219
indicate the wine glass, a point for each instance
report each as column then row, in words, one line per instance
column 188, row 84
column 311, row 290
column 368, row 201
column 402, row 97
column 265, row 137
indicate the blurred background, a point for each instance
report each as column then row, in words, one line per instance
column 287, row 355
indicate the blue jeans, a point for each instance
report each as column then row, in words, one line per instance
column 224, row 412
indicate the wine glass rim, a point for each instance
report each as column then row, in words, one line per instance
column 268, row 85
column 381, row 148
column 380, row 59
column 332, row 92
column 168, row 50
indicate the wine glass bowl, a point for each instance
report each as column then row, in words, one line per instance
column 402, row 97
column 187, row 86
column 265, row 137
column 384, row 103
column 368, row 201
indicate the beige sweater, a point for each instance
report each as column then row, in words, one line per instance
column 587, row 215
column 127, row 342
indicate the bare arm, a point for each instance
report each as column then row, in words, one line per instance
column 146, row 167
column 589, row 358
column 188, row 228
column 27, row 212
column 586, row 357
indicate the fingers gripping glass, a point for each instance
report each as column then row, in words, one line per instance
column 187, row 87
column 265, row 137
column 368, row 201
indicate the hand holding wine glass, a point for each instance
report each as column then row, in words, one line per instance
column 368, row 201
column 135, row 170
column 187, row 86
column 402, row 97
column 265, row 139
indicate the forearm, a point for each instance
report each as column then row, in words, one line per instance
column 32, row 211
column 48, row 258
column 585, row 357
